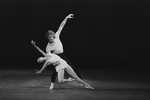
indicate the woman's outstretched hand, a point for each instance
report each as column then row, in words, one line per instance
column 33, row 42
column 70, row 16
column 38, row 71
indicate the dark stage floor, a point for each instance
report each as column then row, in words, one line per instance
column 109, row 85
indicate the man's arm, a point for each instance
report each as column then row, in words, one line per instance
column 38, row 48
column 63, row 24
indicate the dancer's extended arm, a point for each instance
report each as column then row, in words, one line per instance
column 63, row 24
column 38, row 48
column 44, row 66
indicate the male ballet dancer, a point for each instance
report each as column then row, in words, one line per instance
column 55, row 46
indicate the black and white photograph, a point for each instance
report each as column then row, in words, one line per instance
column 74, row 50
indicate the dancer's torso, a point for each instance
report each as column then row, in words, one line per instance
column 56, row 47
column 53, row 50
column 55, row 58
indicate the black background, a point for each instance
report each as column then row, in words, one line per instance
column 102, row 31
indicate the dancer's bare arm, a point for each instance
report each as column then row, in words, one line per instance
column 33, row 43
column 44, row 66
column 63, row 24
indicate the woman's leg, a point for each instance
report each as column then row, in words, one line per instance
column 74, row 68
column 61, row 76
column 62, row 55
column 71, row 72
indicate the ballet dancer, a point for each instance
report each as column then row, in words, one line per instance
column 60, row 66
column 55, row 46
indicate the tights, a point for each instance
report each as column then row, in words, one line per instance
column 54, row 73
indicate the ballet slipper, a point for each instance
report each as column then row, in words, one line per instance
column 52, row 86
column 87, row 86
column 71, row 79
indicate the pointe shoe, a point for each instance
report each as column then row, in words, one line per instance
column 71, row 79
column 51, row 87
column 88, row 87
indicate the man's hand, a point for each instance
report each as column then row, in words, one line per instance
column 33, row 42
column 70, row 16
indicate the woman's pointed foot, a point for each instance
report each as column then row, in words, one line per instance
column 88, row 87
column 71, row 79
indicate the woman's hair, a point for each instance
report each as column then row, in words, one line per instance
column 49, row 32
column 40, row 60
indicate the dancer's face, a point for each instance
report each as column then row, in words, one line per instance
column 50, row 35
column 51, row 38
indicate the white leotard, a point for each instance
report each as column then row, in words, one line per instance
column 53, row 58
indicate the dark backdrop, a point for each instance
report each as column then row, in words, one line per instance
column 101, row 30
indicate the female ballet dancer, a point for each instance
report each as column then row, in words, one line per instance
column 55, row 46
column 60, row 66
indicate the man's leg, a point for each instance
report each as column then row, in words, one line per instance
column 53, row 78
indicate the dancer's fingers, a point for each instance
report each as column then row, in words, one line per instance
column 33, row 42
column 36, row 70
